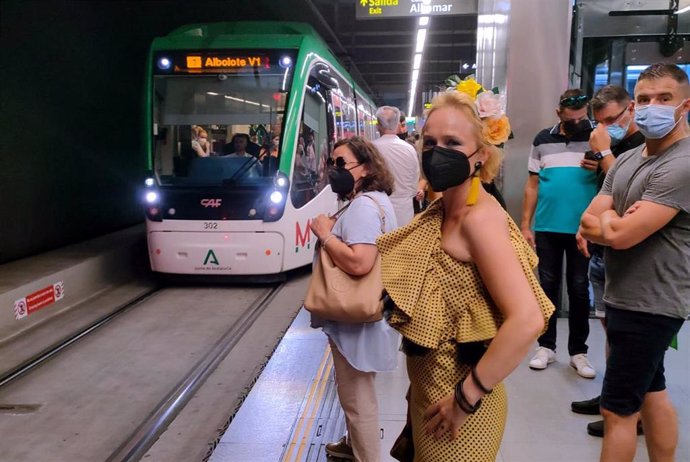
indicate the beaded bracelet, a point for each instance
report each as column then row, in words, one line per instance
column 461, row 399
column 478, row 382
column 328, row 238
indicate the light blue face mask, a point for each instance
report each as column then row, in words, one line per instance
column 617, row 132
column 656, row 120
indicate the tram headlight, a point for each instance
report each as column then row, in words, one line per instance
column 277, row 197
column 275, row 205
column 151, row 197
column 164, row 63
column 281, row 181
column 149, row 182
column 285, row 62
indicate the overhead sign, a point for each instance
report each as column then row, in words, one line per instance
column 207, row 63
column 375, row 9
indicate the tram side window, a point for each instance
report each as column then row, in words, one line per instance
column 336, row 101
column 361, row 120
column 312, row 147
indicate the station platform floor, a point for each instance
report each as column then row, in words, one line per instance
column 292, row 411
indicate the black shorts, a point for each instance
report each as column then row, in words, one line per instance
column 635, row 366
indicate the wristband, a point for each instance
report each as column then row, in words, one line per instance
column 478, row 382
column 328, row 238
column 461, row 399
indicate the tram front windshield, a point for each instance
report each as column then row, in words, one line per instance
column 218, row 129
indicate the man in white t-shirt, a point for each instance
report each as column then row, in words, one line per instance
column 402, row 162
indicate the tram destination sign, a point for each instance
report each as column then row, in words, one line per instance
column 379, row 9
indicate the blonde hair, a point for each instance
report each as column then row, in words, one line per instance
column 465, row 104
column 199, row 132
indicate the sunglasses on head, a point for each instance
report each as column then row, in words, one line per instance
column 571, row 101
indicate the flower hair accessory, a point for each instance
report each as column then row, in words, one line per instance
column 490, row 108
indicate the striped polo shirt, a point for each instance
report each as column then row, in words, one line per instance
column 565, row 188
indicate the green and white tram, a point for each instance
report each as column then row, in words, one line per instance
column 240, row 119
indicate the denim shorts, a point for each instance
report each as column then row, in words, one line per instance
column 635, row 365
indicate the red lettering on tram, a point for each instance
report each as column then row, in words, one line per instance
column 302, row 239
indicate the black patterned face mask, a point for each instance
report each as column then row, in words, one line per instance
column 445, row 168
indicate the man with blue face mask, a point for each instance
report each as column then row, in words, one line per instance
column 615, row 134
column 642, row 216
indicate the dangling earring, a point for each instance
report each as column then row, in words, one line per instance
column 473, row 195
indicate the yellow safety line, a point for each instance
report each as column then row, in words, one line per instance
column 324, row 366
column 312, row 419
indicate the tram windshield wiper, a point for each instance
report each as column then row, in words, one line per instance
column 241, row 172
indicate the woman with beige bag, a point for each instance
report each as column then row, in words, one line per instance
column 358, row 173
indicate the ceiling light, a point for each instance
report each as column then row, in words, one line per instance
column 683, row 10
column 421, row 37
column 465, row 66
column 423, row 20
column 417, row 61
column 415, row 75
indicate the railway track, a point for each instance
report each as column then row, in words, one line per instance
column 126, row 384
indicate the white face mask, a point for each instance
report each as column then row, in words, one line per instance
column 655, row 121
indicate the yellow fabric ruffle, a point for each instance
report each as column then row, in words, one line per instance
column 437, row 297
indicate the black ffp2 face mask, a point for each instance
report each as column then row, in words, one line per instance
column 342, row 182
column 445, row 168
column 572, row 128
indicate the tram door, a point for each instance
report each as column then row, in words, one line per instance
column 614, row 40
column 637, row 57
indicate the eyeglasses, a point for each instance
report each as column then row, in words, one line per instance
column 571, row 101
column 614, row 119
column 339, row 162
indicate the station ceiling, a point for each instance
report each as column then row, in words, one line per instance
column 378, row 52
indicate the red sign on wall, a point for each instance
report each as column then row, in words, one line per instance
column 39, row 299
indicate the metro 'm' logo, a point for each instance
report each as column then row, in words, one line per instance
column 302, row 238
column 211, row 202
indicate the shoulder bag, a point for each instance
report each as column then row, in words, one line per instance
column 335, row 295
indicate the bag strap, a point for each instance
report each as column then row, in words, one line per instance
column 382, row 214
column 337, row 214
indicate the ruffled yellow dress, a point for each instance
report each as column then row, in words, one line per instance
column 441, row 303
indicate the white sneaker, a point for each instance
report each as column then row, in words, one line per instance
column 582, row 365
column 542, row 358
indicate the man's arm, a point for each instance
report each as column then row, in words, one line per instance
column 640, row 221
column 590, row 225
column 529, row 204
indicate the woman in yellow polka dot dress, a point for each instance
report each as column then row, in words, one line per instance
column 466, row 298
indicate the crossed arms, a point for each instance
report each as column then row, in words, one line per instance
column 601, row 224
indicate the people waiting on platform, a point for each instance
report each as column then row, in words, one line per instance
column 560, row 187
column 359, row 350
column 642, row 217
column 615, row 134
column 402, row 127
column 402, row 162
column 463, row 292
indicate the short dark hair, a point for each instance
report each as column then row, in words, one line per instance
column 572, row 98
column 608, row 94
column 240, row 135
column 378, row 177
column 659, row 70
